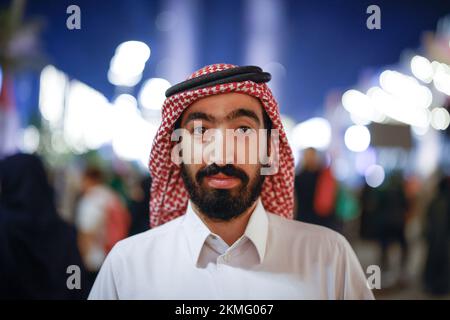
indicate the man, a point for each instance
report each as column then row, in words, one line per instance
column 315, row 189
column 224, row 226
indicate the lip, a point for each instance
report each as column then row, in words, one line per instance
column 221, row 181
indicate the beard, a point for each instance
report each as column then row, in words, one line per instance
column 222, row 204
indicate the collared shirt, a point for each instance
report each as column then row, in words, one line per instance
column 275, row 258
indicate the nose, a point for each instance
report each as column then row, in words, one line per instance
column 222, row 151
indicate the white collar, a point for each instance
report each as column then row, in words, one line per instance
column 197, row 232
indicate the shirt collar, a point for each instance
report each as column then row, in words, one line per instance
column 257, row 229
column 197, row 232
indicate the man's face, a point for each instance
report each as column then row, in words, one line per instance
column 224, row 189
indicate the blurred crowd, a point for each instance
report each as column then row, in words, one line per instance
column 382, row 216
column 38, row 243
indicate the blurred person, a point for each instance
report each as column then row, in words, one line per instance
column 102, row 219
column 140, row 207
column 316, row 191
column 223, row 229
column 370, row 219
column 437, row 232
column 394, row 208
column 385, row 211
column 36, row 245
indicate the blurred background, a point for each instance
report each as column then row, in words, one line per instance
column 366, row 112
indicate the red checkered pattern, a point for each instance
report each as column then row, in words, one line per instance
column 169, row 197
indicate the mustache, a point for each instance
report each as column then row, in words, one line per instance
column 227, row 169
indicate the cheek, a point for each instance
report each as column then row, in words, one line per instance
column 246, row 150
column 251, row 170
column 192, row 169
column 191, row 150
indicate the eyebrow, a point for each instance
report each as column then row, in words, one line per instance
column 198, row 115
column 241, row 112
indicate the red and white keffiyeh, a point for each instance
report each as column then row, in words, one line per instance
column 169, row 197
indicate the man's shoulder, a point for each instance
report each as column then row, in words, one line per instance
column 297, row 230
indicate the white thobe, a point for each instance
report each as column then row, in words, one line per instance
column 276, row 258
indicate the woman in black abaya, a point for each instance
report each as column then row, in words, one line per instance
column 36, row 246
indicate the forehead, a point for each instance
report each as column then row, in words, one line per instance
column 219, row 106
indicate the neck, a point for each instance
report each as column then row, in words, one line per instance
column 231, row 230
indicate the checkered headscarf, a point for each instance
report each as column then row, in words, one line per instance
column 169, row 197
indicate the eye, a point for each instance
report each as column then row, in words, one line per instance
column 199, row 130
column 243, row 130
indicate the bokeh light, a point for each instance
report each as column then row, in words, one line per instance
column 357, row 138
column 374, row 175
